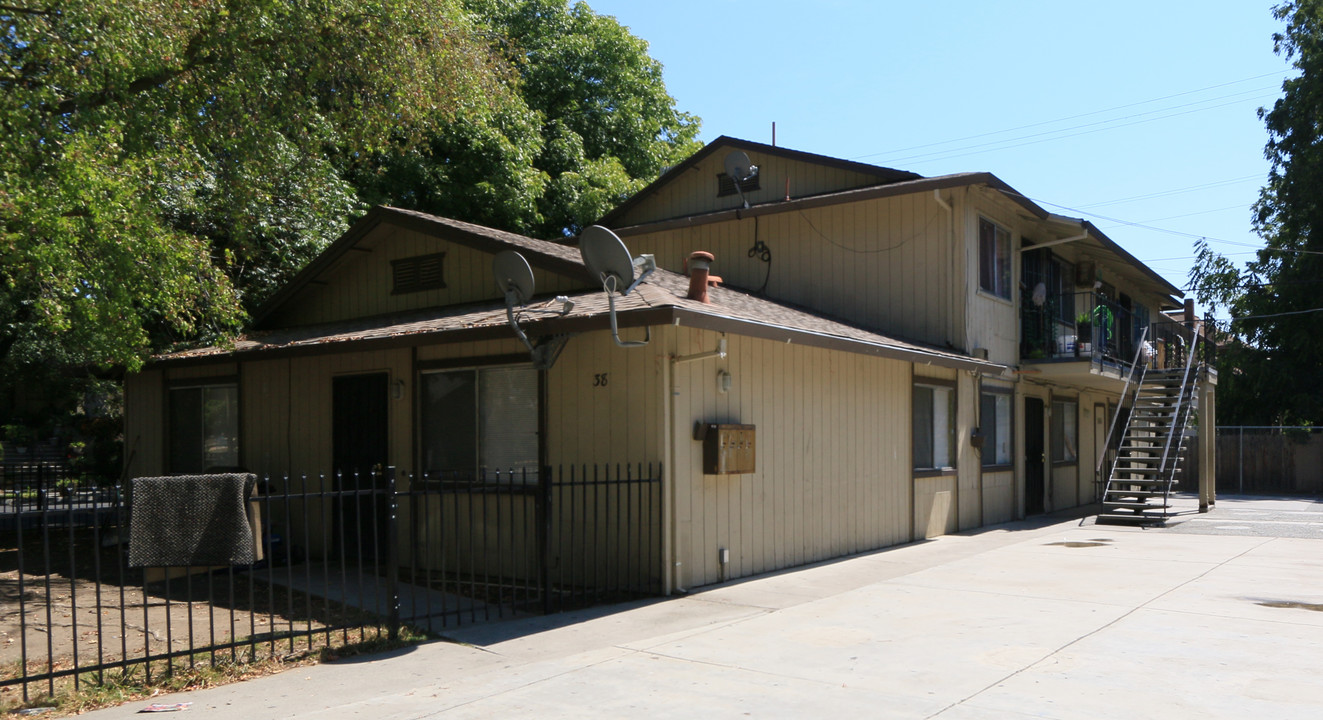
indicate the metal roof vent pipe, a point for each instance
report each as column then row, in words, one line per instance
column 699, row 265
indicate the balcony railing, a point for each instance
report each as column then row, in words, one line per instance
column 1089, row 326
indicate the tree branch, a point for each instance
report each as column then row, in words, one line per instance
column 25, row 11
column 192, row 59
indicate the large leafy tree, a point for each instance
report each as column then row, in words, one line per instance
column 1270, row 364
column 591, row 123
column 161, row 162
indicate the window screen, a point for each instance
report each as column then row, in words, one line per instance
column 204, row 428
column 995, row 420
column 934, row 427
column 480, row 421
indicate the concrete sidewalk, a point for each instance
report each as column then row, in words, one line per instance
column 1044, row 619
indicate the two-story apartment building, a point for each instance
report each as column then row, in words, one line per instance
column 890, row 357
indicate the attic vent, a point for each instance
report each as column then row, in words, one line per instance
column 422, row 272
column 726, row 185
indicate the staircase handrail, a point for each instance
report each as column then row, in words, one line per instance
column 1134, row 367
column 1180, row 402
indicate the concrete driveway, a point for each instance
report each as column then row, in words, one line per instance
column 1040, row 619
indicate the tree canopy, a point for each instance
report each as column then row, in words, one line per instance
column 165, row 165
column 157, row 157
column 590, row 124
column 1269, row 366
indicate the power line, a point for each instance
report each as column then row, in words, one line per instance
column 1167, row 193
column 1166, row 230
column 1201, row 212
column 1070, row 117
column 1273, row 315
column 961, row 152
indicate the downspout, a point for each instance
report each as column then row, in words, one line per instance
column 669, row 572
column 670, row 549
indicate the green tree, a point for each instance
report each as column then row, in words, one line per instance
column 164, row 163
column 590, row 125
column 1269, row 366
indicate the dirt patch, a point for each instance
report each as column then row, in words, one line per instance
column 75, row 605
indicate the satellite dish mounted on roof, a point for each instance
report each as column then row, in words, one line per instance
column 739, row 169
column 514, row 277
column 609, row 261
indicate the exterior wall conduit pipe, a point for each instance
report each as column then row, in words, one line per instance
column 672, row 559
column 720, row 352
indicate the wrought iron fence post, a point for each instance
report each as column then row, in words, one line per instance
column 392, row 557
column 544, row 538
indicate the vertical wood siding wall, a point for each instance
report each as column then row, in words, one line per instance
column 833, row 456
column 884, row 264
column 144, row 424
column 360, row 285
column 698, row 192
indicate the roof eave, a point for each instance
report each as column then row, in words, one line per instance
column 888, row 175
column 906, row 187
column 643, row 317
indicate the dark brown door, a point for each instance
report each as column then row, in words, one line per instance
column 359, row 453
column 1035, row 470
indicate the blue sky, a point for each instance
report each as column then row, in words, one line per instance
column 1118, row 111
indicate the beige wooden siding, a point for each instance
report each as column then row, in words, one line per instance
column 934, row 506
column 269, row 430
column 833, row 456
column 1064, row 477
column 1000, row 499
column 944, row 504
column 144, row 424
column 969, row 493
column 993, row 322
column 695, row 192
column 884, row 264
column 360, row 284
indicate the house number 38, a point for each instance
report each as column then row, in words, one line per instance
column 599, row 380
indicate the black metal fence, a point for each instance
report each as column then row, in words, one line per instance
column 344, row 559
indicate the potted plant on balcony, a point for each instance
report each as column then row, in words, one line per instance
column 1083, row 333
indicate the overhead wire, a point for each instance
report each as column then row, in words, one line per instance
column 970, row 150
column 1071, row 117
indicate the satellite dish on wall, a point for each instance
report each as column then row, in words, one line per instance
column 609, row 261
column 739, row 169
column 514, row 277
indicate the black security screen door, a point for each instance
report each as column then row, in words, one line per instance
column 1034, row 456
column 359, row 454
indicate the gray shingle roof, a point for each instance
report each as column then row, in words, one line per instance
column 661, row 299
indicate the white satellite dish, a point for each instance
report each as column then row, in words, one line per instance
column 739, row 169
column 609, row 261
column 514, row 277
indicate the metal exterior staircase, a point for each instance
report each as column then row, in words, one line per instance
column 1149, row 461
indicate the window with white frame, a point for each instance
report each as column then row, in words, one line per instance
column 479, row 421
column 995, row 424
column 994, row 258
column 204, row 427
column 1065, row 426
column 934, row 427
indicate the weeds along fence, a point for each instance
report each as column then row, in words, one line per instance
column 344, row 559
